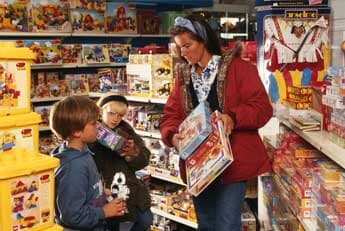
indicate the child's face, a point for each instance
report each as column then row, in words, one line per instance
column 89, row 133
column 112, row 116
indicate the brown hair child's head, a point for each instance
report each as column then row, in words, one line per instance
column 72, row 114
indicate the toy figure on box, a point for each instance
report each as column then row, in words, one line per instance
column 51, row 16
column 14, row 15
column 131, row 158
column 233, row 87
column 296, row 53
column 119, row 18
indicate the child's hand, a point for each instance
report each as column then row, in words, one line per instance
column 129, row 151
column 115, row 208
column 107, row 192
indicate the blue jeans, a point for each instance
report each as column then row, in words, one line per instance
column 218, row 207
column 143, row 222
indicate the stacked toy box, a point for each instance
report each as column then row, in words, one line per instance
column 26, row 176
column 205, row 148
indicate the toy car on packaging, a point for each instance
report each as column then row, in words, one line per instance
column 109, row 138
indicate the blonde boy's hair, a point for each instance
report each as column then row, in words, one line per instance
column 113, row 103
column 115, row 107
column 72, row 114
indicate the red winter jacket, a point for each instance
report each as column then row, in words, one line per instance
column 245, row 96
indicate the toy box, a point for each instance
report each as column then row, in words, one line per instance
column 119, row 52
column 27, row 191
column 14, row 79
column 47, row 52
column 195, row 129
column 120, row 18
column 95, row 53
column 19, row 130
column 85, row 21
column 71, row 54
column 148, row 22
column 109, row 138
column 209, row 160
column 51, row 16
column 139, row 80
column 14, row 15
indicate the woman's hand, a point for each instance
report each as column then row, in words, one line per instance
column 175, row 140
column 129, row 151
column 228, row 123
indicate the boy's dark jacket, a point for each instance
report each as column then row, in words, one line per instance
column 78, row 190
column 110, row 162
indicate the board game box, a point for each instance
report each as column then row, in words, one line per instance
column 195, row 129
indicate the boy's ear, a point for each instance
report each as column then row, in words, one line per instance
column 76, row 134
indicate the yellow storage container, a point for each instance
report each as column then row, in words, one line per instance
column 14, row 79
column 27, row 191
column 19, row 131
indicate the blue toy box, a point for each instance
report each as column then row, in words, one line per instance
column 195, row 129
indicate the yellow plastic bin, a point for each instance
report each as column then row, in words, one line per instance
column 14, row 79
column 27, row 191
column 19, row 131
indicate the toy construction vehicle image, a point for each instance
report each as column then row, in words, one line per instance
column 165, row 89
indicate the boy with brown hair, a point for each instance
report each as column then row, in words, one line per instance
column 79, row 195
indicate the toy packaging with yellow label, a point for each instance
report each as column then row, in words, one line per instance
column 27, row 191
column 19, row 131
column 14, row 79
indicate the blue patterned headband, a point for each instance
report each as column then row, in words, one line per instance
column 195, row 28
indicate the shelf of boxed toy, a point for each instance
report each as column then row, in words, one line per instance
column 174, row 218
column 89, row 34
column 321, row 141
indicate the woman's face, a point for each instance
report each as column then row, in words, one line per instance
column 191, row 50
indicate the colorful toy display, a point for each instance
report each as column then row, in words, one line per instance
column 294, row 46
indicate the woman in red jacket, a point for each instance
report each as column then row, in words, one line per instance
column 232, row 86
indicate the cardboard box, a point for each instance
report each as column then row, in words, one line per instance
column 209, row 160
column 109, row 138
column 27, row 191
column 19, row 131
column 195, row 129
column 14, row 79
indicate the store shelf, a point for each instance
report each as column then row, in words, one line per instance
column 320, row 140
column 71, row 66
column 50, row 99
column 86, row 34
column 154, row 134
column 174, row 218
column 163, row 174
column 132, row 98
column 33, row 34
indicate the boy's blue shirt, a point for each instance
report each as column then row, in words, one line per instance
column 79, row 196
